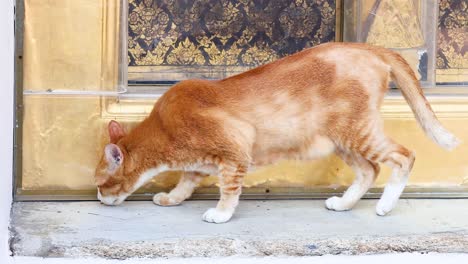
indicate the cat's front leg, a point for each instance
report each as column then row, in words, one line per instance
column 230, row 190
column 184, row 189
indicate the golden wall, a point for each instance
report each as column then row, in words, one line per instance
column 72, row 46
column 64, row 136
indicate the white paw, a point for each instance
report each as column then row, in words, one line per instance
column 163, row 199
column 384, row 207
column 336, row 204
column 214, row 215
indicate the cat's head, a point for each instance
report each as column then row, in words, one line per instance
column 113, row 185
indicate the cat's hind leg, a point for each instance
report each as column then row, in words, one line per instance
column 377, row 148
column 366, row 173
column 184, row 189
column 401, row 161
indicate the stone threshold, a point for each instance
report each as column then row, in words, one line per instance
column 259, row 228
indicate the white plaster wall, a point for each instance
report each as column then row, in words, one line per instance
column 6, row 120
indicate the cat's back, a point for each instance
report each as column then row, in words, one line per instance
column 189, row 94
column 305, row 80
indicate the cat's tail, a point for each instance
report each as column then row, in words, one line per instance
column 405, row 78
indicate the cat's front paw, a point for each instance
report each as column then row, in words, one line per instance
column 384, row 207
column 336, row 204
column 164, row 199
column 216, row 216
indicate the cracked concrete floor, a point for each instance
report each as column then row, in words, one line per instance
column 259, row 228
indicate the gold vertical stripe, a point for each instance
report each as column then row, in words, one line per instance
column 110, row 44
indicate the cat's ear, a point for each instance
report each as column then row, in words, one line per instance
column 114, row 156
column 116, row 131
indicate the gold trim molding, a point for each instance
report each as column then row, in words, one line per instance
column 449, row 107
column 394, row 107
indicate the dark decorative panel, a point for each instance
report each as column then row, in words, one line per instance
column 225, row 32
column 452, row 52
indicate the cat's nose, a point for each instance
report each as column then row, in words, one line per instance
column 118, row 200
column 109, row 203
column 109, row 200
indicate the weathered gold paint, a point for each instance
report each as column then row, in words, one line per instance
column 452, row 75
column 63, row 139
column 71, row 45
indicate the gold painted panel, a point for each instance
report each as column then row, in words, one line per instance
column 406, row 26
column 392, row 23
column 71, row 45
column 64, row 136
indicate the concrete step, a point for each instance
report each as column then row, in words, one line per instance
column 259, row 228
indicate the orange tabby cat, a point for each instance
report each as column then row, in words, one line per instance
column 316, row 102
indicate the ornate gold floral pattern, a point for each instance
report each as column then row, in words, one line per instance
column 225, row 32
column 452, row 50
